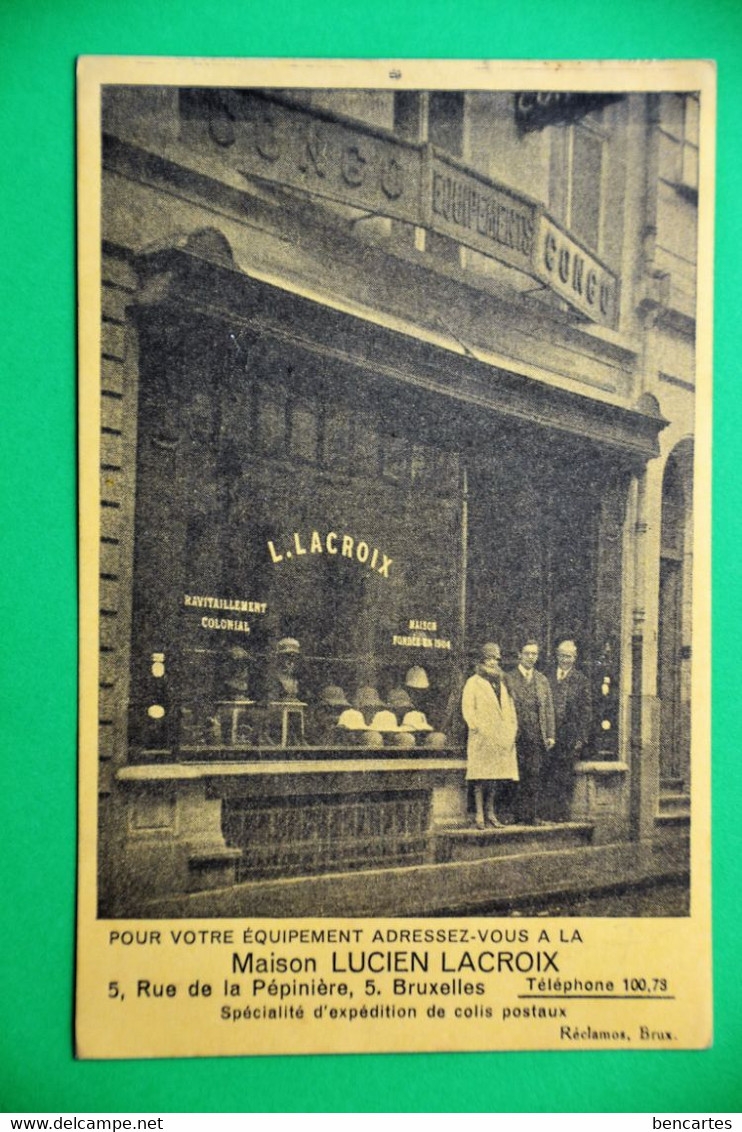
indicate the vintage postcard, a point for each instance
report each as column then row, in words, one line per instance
column 395, row 396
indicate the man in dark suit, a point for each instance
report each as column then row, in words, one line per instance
column 531, row 693
column 570, row 691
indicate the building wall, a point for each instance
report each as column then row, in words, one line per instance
column 448, row 307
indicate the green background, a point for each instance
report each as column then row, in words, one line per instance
column 38, row 45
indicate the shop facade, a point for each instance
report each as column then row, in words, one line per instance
column 385, row 376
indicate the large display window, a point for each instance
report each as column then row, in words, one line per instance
column 319, row 550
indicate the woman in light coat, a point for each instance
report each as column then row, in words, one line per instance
column 489, row 713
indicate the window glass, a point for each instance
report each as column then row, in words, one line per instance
column 692, row 114
column 446, row 121
column 690, row 166
column 587, row 162
column 671, row 114
column 558, row 178
column 236, row 420
column 366, row 444
column 337, row 436
column 679, row 120
column 394, row 457
column 271, row 420
column 304, row 434
column 669, row 158
column 408, row 109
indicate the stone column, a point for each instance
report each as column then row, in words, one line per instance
column 644, row 714
column 608, row 609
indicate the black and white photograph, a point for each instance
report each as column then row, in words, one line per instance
column 395, row 531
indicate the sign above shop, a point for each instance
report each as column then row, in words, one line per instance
column 535, row 109
column 320, row 155
column 575, row 274
column 477, row 212
column 331, row 543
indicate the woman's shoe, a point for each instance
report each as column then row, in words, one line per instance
column 495, row 821
column 478, row 823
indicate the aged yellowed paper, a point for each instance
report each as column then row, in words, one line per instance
column 395, row 451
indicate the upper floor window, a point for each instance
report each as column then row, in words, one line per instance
column 435, row 116
column 446, row 121
column 576, row 190
column 678, row 129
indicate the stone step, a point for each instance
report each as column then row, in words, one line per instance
column 490, row 885
column 466, row 843
column 674, row 803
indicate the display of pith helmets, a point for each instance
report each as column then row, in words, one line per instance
column 417, row 677
column 416, row 721
column 334, row 696
column 352, row 720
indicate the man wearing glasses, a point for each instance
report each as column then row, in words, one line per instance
column 570, row 690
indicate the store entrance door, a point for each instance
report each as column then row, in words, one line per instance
column 533, row 512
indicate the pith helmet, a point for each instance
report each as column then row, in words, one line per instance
column 416, row 721
column 436, row 740
column 288, row 645
column 384, row 721
column 368, row 697
column 333, row 696
column 399, row 699
column 352, row 720
column 371, row 739
column 417, row 677
column 402, row 739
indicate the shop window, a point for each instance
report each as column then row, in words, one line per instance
column 271, row 421
column 435, row 470
column 237, row 416
column 447, row 472
column 576, row 180
column 678, row 129
column 250, row 555
column 366, row 444
column 418, row 464
column 394, row 457
column 304, row 432
column 337, row 437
